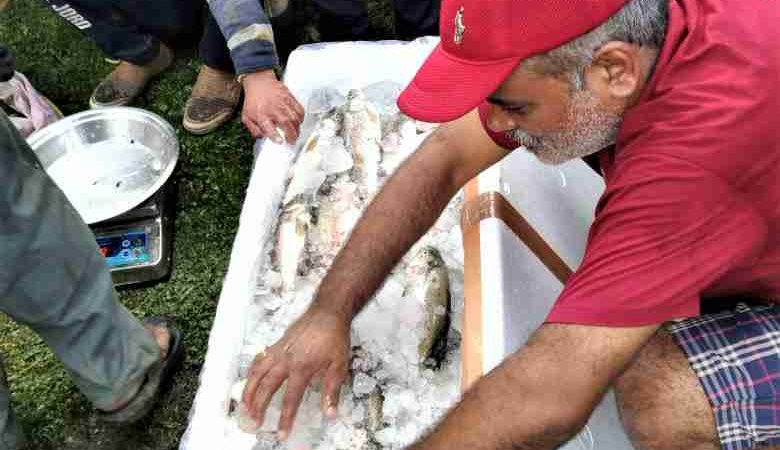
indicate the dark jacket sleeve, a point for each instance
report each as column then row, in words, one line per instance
column 248, row 32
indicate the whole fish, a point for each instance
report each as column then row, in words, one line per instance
column 392, row 132
column 428, row 266
column 375, row 416
column 293, row 228
column 307, row 177
column 322, row 155
column 339, row 209
column 363, row 364
column 363, row 135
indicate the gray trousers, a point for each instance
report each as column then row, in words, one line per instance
column 54, row 280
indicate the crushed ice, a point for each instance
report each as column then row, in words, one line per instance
column 393, row 397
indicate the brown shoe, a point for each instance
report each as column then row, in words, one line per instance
column 128, row 80
column 214, row 98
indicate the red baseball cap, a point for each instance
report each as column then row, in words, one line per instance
column 482, row 41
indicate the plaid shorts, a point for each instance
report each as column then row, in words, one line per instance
column 736, row 355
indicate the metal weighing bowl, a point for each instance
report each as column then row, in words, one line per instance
column 109, row 160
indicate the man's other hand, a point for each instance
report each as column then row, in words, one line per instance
column 269, row 107
column 315, row 346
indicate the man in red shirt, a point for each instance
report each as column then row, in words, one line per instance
column 688, row 91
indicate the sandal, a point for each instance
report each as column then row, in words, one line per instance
column 156, row 379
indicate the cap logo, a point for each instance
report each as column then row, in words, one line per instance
column 459, row 27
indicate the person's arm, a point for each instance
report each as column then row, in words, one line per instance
column 404, row 210
column 268, row 104
column 411, row 201
column 544, row 394
column 247, row 30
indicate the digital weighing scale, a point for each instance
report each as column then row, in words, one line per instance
column 114, row 166
column 138, row 245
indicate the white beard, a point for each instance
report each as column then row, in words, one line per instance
column 589, row 128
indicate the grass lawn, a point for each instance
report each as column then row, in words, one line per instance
column 212, row 175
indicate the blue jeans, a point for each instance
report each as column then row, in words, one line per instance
column 131, row 30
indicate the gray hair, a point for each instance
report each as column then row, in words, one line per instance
column 640, row 22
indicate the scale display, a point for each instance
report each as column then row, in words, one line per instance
column 124, row 249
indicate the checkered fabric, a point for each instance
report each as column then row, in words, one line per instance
column 736, row 355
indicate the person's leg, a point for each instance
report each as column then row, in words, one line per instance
column 108, row 27
column 661, row 402
column 174, row 22
column 11, row 436
column 707, row 383
column 213, row 47
column 54, row 279
column 342, row 20
column 121, row 37
column 415, row 18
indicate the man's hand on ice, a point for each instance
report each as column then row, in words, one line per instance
column 315, row 346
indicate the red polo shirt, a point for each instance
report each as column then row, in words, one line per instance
column 691, row 208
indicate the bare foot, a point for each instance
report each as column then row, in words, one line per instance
column 163, row 337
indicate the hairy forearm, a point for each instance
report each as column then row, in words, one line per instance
column 506, row 410
column 541, row 396
column 405, row 208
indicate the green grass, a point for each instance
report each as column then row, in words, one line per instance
column 212, row 176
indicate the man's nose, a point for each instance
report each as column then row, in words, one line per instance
column 499, row 121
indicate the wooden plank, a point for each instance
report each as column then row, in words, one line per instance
column 471, row 344
column 476, row 208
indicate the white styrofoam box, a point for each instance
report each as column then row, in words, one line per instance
column 558, row 201
column 517, row 290
column 341, row 66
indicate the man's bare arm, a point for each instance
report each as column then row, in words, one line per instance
column 317, row 344
column 407, row 206
column 544, row 394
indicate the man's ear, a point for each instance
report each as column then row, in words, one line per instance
column 617, row 72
